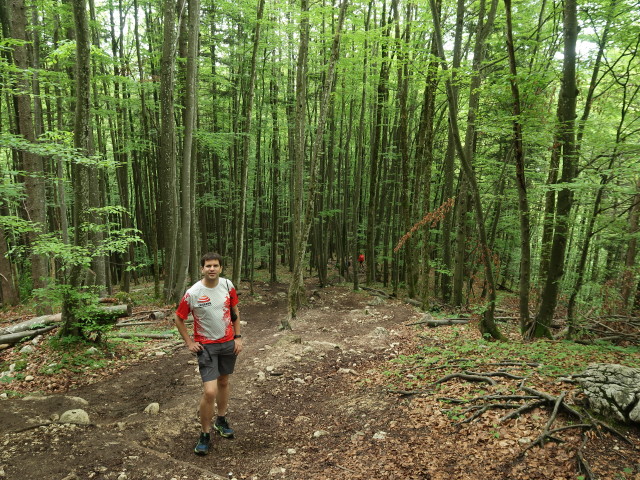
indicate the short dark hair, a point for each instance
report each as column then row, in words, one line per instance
column 210, row 256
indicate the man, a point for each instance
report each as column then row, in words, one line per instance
column 213, row 303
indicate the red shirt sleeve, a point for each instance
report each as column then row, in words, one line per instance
column 183, row 309
column 233, row 297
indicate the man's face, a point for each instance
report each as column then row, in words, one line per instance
column 211, row 269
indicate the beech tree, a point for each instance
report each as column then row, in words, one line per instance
column 566, row 127
column 31, row 163
column 248, row 130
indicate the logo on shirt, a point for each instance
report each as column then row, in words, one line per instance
column 204, row 301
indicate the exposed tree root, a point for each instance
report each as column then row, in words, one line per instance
column 470, row 378
column 532, row 399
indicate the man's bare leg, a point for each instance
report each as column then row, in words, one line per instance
column 209, row 394
column 222, row 399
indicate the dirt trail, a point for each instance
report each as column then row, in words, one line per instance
column 291, row 393
column 308, row 404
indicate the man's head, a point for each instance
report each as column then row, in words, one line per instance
column 210, row 256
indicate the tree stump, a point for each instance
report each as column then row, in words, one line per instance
column 612, row 390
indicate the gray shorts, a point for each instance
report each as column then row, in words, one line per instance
column 216, row 359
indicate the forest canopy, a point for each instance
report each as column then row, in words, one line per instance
column 496, row 140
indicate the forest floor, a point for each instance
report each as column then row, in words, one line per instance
column 349, row 393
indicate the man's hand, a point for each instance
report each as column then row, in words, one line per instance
column 238, row 346
column 194, row 347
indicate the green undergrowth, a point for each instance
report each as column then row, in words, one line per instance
column 77, row 356
column 64, row 356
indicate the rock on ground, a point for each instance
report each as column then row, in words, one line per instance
column 612, row 390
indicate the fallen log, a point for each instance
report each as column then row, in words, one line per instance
column 12, row 338
column 109, row 315
column 29, row 324
column 132, row 324
column 432, row 322
column 105, row 313
column 415, row 303
column 377, row 292
column 124, row 310
column 158, row 336
column 107, row 300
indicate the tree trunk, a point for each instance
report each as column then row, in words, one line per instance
column 457, row 263
column 402, row 143
column 82, row 142
column 186, row 206
column 549, row 209
column 98, row 264
column 605, row 178
column 246, row 137
column 424, row 162
column 566, row 121
column 8, row 291
column 375, row 157
column 487, row 325
column 275, row 165
column 521, row 182
column 33, row 165
column 299, row 133
column 360, row 154
column 628, row 276
column 297, row 286
column 167, row 169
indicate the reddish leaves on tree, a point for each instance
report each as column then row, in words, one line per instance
column 432, row 217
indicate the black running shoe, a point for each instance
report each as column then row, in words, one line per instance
column 202, row 447
column 222, row 427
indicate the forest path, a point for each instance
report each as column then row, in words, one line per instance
column 313, row 403
column 291, row 391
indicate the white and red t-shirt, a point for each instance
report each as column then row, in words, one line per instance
column 210, row 308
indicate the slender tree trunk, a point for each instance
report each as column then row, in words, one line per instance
column 604, row 180
column 487, row 325
column 8, row 291
column 299, row 134
column 186, row 205
column 447, row 223
column 33, row 164
column 454, row 278
column 630, row 257
column 121, row 153
column 296, row 286
column 402, row 142
column 424, row 162
column 566, row 121
column 167, row 169
column 521, row 182
column 244, row 174
column 375, row 157
column 99, row 264
column 549, row 212
column 82, row 142
column 275, row 176
column 360, row 154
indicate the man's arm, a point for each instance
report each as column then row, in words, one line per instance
column 236, row 331
column 184, row 333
